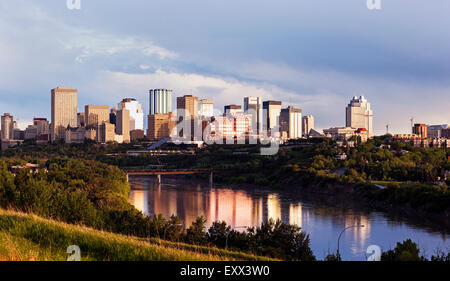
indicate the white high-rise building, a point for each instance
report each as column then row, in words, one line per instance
column 160, row 101
column 254, row 105
column 136, row 113
column 308, row 124
column 7, row 127
column 291, row 122
column 359, row 114
column 272, row 111
column 206, row 108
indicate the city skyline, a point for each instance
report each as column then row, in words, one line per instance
column 107, row 59
column 229, row 108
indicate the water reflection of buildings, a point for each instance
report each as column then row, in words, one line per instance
column 139, row 198
column 237, row 208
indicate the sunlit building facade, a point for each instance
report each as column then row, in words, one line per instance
column 160, row 101
column 359, row 114
column 136, row 113
column 64, row 111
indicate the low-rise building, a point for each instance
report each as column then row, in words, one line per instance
column 137, row 135
column 345, row 133
column 31, row 132
column 75, row 135
column 106, row 133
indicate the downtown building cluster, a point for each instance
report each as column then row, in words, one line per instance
column 196, row 120
column 256, row 119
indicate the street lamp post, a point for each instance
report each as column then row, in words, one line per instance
column 226, row 239
column 342, row 232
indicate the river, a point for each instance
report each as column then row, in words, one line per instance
column 322, row 219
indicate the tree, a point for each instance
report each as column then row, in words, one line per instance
column 196, row 233
column 404, row 251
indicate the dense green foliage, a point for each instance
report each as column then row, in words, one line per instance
column 409, row 251
column 95, row 194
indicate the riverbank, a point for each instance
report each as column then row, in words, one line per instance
column 391, row 199
column 25, row 237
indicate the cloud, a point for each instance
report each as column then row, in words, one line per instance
column 296, row 57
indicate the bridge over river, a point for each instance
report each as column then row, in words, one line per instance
column 158, row 173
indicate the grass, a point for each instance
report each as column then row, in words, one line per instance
column 25, row 237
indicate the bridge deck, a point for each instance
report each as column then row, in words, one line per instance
column 147, row 173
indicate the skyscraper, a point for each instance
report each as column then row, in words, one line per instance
column 7, row 127
column 291, row 122
column 189, row 104
column 64, row 111
column 159, row 126
column 272, row 109
column 359, row 114
column 420, row 130
column 123, row 124
column 206, row 108
column 232, row 109
column 308, row 124
column 187, row 114
column 95, row 115
column 136, row 113
column 106, row 132
column 253, row 105
column 160, row 101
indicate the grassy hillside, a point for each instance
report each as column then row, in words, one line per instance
column 27, row 237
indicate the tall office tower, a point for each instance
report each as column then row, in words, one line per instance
column 272, row 109
column 159, row 126
column 254, row 105
column 291, row 122
column 232, row 109
column 42, row 125
column 81, row 120
column 160, row 101
column 106, row 132
column 420, row 130
column 64, row 111
column 7, row 127
column 95, row 115
column 189, row 104
column 136, row 113
column 307, row 125
column 206, row 108
column 187, row 114
column 112, row 116
column 359, row 115
column 123, row 124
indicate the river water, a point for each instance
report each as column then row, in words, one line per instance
column 322, row 219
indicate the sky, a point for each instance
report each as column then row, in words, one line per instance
column 312, row 54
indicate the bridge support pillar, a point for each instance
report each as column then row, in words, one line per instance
column 158, row 178
column 128, row 180
column 210, row 179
